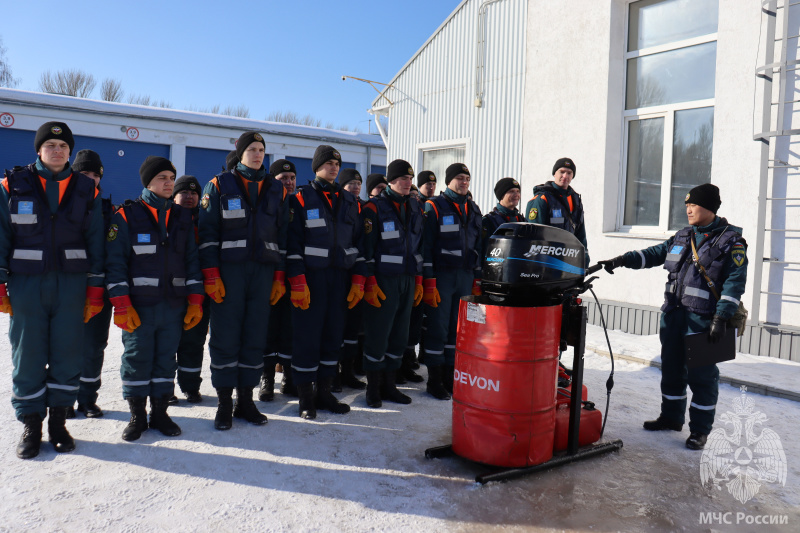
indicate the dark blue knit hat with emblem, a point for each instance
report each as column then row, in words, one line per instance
column 186, row 183
column 53, row 130
column 705, row 195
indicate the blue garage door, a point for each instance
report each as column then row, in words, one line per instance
column 205, row 163
column 303, row 167
column 378, row 169
column 121, row 159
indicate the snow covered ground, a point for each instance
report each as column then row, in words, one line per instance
column 366, row 471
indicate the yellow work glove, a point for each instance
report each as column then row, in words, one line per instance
column 372, row 293
column 94, row 302
column 125, row 315
column 212, row 283
column 418, row 290
column 5, row 301
column 430, row 294
column 300, row 295
column 194, row 313
column 278, row 287
column 356, row 290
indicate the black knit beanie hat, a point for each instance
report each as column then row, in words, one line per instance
column 186, row 183
column 347, row 175
column 89, row 161
column 424, row 177
column 231, row 160
column 565, row 162
column 454, row 170
column 397, row 168
column 324, row 153
column 373, row 180
column 246, row 139
column 53, row 130
column 152, row 166
column 503, row 186
column 282, row 165
column 705, row 195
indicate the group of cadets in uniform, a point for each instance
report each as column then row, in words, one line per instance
column 357, row 273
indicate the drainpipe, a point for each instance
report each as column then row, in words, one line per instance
column 480, row 52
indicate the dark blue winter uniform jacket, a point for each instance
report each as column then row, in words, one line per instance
column 151, row 253
column 553, row 206
column 452, row 235
column 494, row 219
column 393, row 228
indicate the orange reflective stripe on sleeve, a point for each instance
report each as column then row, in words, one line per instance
column 121, row 211
column 571, row 207
column 299, row 197
column 433, row 204
column 215, row 182
column 5, row 184
column 371, row 206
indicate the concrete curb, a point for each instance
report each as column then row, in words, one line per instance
column 757, row 388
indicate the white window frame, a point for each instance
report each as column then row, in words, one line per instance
column 668, row 113
column 443, row 145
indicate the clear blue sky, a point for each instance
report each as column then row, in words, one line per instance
column 268, row 55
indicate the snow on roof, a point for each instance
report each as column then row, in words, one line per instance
column 57, row 101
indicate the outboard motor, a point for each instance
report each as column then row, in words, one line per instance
column 531, row 264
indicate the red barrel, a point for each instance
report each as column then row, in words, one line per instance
column 504, row 386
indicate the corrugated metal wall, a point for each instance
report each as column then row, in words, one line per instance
column 781, row 343
column 434, row 96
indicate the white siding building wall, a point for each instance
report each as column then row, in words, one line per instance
column 434, row 96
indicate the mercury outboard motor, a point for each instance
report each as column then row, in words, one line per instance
column 531, row 264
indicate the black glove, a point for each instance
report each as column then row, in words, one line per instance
column 718, row 327
column 611, row 264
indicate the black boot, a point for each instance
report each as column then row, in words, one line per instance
column 193, row 396
column 307, row 394
column 447, row 378
column 90, row 409
column 266, row 393
column 696, row 441
column 407, row 368
column 389, row 390
column 434, row 386
column 224, row 417
column 374, row 381
column 31, row 440
column 138, row 423
column 159, row 419
column 336, row 383
column 661, row 423
column 70, row 412
column 288, row 387
column 327, row 401
column 246, row 409
column 349, row 378
column 57, row 428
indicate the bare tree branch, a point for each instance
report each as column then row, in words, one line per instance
column 111, row 90
column 72, row 82
column 6, row 77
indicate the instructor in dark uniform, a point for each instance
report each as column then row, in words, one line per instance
column 710, row 247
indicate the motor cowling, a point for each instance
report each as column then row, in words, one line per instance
column 531, row 264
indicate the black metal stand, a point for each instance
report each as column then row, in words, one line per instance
column 574, row 451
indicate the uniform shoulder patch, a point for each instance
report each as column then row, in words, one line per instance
column 737, row 254
column 533, row 213
column 367, row 226
column 205, row 201
column 112, row 232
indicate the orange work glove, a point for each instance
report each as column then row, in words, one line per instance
column 94, row 302
column 372, row 293
column 125, row 315
column 278, row 287
column 418, row 290
column 476, row 287
column 194, row 313
column 212, row 283
column 5, row 302
column 300, row 295
column 356, row 290
column 430, row 294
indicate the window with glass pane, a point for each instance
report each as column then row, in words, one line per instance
column 438, row 160
column 669, row 113
column 645, row 156
column 691, row 158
